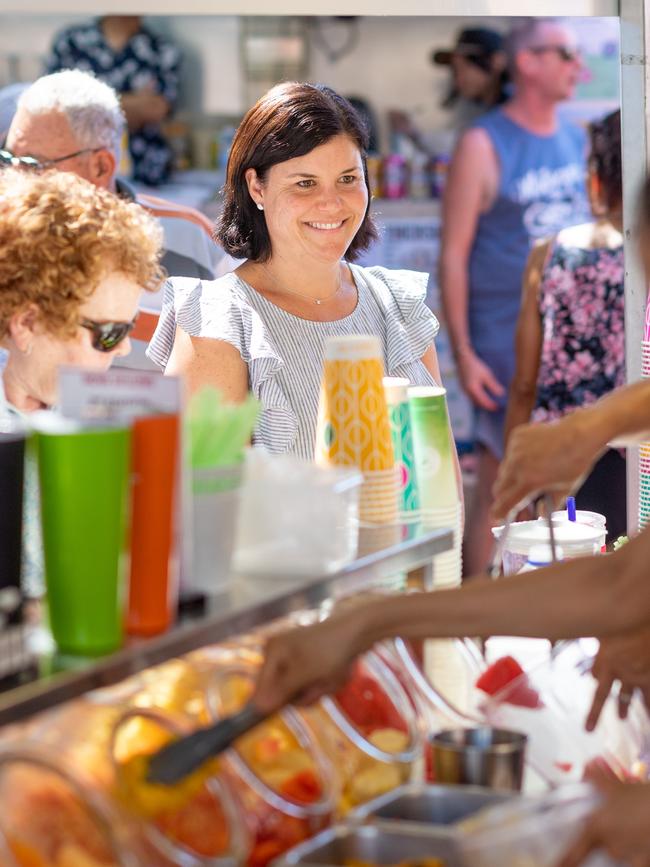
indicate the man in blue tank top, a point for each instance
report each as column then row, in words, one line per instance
column 517, row 175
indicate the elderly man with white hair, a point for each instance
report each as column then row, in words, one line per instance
column 73, row 122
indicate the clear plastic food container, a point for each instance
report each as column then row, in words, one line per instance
column 284, row 781
column 550, row 703
column 52, row 817
column 199, row 820
column 79, row 733
column 529, row 831
column 440, row 674
column 369, row 731
column 176, row 686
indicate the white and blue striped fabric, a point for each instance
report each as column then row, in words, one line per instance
column 284, row 353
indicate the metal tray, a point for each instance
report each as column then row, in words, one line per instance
column 434, row 805
column 379, row 843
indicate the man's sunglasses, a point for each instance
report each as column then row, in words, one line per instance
column 8, row 159
column 106, row 336
column 568, row 55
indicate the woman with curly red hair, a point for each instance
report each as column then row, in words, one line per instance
column 73, row 262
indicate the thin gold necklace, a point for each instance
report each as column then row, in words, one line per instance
column 318, row 301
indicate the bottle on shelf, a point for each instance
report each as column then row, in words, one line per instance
column 419, row 185
column 395, row 174
column 374, row 164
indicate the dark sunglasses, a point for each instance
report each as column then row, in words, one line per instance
column 8, row 159
column 568, row 55
column 108, row 335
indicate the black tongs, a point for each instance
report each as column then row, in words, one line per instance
column 178, row 759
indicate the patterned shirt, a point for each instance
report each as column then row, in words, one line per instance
column 581, row 305
column 284, row 353
column 146, row 61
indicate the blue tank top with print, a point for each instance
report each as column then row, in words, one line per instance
column 541, row 190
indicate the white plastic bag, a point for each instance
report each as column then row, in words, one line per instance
column 296, row 518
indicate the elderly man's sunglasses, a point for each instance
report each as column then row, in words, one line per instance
column 564, row 52
column 8, row 159
column 106, row 336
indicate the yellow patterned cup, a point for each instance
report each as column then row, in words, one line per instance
column 353, row 424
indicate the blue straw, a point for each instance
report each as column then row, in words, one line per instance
column 571, row 508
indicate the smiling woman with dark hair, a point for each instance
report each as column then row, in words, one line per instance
column 297, row 207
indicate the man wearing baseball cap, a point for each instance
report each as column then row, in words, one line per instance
column 516, row 176
column 479, row 67
column 480, row 81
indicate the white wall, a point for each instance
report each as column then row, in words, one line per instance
column 211, row 61
column 24, row 43
column 211, row 82
column 389, row 65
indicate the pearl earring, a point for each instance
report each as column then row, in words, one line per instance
column 28, row 349
column 260, row 206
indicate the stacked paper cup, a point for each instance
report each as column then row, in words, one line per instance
column 435, row 469
column 399, row 413
column 353, row 427
column 644, row 485
column 644, row 450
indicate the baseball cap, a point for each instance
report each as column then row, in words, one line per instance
column 474, row 43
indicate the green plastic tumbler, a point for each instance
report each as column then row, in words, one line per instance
column 432, row 448
column 84, row 484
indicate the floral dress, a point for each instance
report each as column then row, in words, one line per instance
column 581, row 305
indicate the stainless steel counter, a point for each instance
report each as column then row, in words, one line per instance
column 249, row 602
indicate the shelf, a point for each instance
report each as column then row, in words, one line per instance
column 455, row 8
column 249, row 602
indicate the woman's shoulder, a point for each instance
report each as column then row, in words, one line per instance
column 223, row 290
column 405, row 289
column 411, row 327
column 219, row 308
column 595, row 235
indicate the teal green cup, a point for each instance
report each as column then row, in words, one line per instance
column 84, row 472
column 399, row 415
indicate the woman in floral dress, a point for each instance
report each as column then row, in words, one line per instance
column 570, row 337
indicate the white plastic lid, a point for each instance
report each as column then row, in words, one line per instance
column 575, row 539
column 593, row 519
